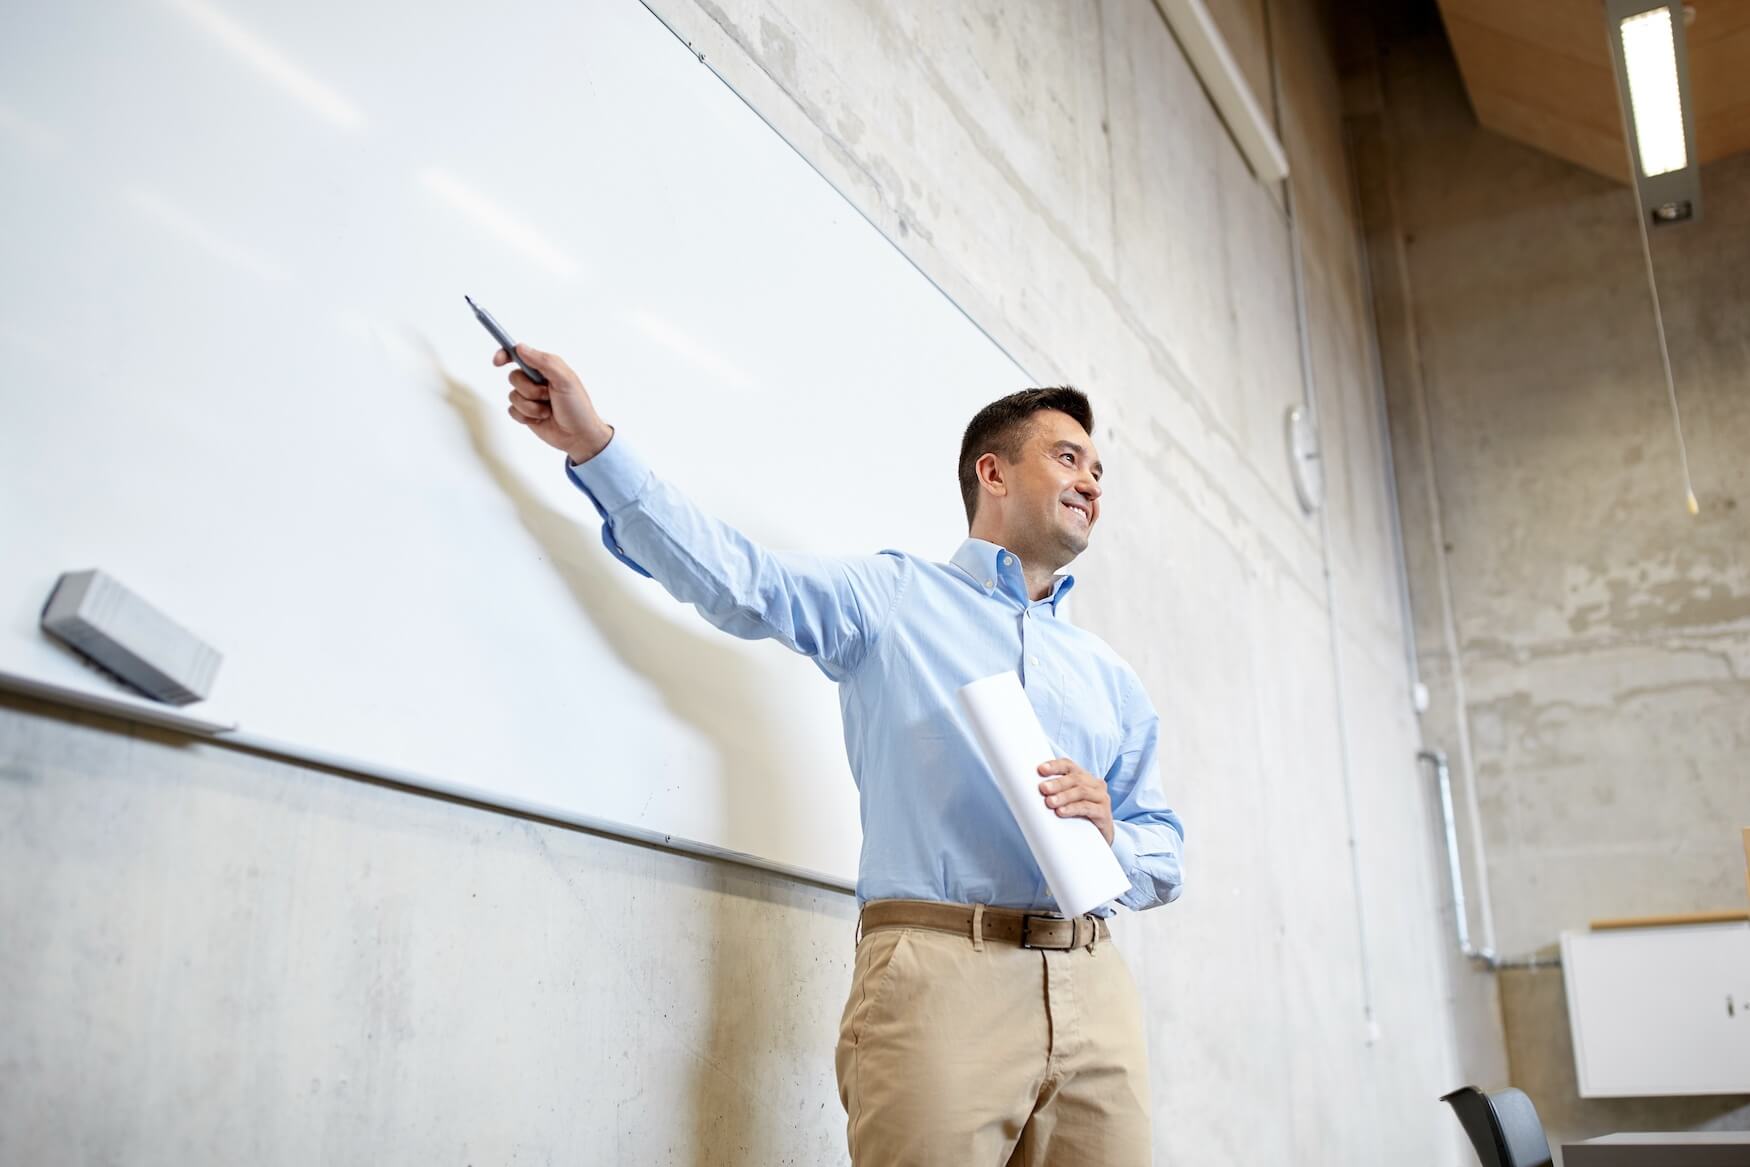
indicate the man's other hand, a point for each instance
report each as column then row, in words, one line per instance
column 1074, row 793
column 560, row 412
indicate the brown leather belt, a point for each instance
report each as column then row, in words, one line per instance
column 1003, row 925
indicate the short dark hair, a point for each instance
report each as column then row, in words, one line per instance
column 1001, row 428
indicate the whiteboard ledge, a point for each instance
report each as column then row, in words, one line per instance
column 135, row 709
column 227, row 734
column 475, row 796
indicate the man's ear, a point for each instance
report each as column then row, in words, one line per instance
column 989, row 469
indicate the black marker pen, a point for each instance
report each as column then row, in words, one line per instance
column 504, row 340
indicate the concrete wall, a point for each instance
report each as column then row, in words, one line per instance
column 1587, row 641
column 214, row 957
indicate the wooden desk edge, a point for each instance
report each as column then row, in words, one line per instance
column 1723, row 916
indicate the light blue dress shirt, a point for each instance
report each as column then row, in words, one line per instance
column 900, row 635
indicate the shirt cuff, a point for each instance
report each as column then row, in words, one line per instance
column 612, row 481
column 615, row 478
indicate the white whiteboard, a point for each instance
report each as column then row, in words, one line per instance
column 237, row 373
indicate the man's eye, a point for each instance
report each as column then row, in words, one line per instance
column 1069, row 456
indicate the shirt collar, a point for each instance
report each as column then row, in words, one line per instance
column 994, row 569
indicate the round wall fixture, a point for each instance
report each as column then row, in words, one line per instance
column 1304, row 464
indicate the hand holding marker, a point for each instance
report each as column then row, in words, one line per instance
column 547, row 397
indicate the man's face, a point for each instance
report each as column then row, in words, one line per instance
column 1054, row 488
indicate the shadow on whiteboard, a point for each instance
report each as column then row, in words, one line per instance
column 703, row 680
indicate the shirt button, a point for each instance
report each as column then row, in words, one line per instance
column 1008, row 560
column 989, row 584
column 1035, row 662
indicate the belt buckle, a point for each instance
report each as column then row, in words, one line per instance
column 1027, row 933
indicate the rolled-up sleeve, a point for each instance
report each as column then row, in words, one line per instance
column 828, row 609
column 1148, row 838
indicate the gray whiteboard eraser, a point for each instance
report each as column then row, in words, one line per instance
column 103, row 621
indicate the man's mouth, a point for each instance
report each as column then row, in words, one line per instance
column 1082, row 510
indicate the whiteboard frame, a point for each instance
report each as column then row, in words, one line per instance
column 139, row 711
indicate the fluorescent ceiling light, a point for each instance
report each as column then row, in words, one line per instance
column 1650, row 58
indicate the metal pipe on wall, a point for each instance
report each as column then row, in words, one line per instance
column 1485, row 956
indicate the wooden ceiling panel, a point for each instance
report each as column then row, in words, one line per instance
column 1599, row 152
column 1549, row 24
column 1539, row 72
column 1719, row 79
column 1566, row 86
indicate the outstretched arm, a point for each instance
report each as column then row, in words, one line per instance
column 831, row 610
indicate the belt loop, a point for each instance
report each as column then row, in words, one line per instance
column 1093, row 932
column 978, row 927
column 857, row 937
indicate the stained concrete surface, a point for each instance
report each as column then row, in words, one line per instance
column 1595, row 672
column 1605, row 634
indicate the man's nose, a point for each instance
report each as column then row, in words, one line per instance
column 1090, row 488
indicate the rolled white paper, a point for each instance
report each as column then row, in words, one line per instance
column 1079, row 866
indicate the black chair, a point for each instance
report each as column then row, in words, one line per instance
column 1502, row 1126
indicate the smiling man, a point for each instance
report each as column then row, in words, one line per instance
column 982, row 1028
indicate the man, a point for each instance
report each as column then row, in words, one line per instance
column 981, row 1028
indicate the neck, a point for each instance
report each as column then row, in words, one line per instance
column 1039, row 577
column 1037, row 570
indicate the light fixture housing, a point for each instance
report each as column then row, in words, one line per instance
column 1650, row 54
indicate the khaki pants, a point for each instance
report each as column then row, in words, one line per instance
column 959, row 1054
